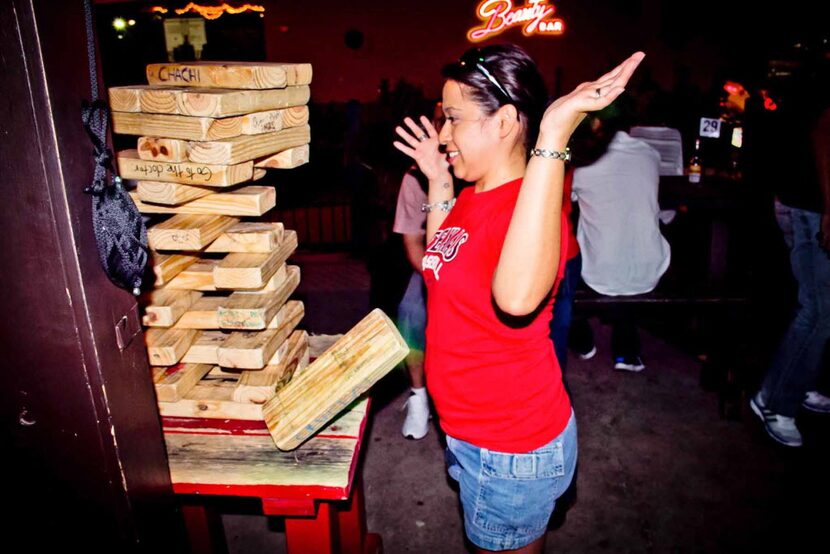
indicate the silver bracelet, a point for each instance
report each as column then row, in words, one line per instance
column 552, row 154
column 444, row 206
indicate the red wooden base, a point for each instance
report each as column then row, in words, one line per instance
column 322, row 527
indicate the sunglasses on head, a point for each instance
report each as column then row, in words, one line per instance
column 475, row 60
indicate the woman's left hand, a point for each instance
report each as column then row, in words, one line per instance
column 564, row 115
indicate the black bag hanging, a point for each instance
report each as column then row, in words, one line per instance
column 119, row 229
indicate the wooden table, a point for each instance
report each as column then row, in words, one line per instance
column 314, row 487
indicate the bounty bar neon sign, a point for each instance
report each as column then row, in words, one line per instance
column 500, row 15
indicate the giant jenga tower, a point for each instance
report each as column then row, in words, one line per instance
column 206, row 131
column 221, row 334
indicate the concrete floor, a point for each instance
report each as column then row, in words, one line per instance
column 659, row 470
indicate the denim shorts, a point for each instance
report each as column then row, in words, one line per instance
column 508, row 498
column 412, row 313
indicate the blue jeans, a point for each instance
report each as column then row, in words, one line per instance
column 795, row 368
column 560, row 324
column 508, row 498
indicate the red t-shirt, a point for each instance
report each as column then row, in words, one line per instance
column 495, row 385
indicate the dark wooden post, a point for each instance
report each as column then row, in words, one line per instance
column 81, row 429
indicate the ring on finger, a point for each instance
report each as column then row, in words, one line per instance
column 422, row 138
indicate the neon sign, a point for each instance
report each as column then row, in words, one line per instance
column 499, row 15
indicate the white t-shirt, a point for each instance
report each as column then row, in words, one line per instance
column 409, row 219
column 623, row 252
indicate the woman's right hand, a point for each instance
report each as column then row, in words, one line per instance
column 423, row 148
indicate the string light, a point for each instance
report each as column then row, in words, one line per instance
column 215, row 12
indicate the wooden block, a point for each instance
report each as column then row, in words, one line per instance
column 249, row 237
column 173, row 383
column 259, row 173
column 205, row 349
column 167, row 266
column 220, row 102
column 334, row 380
column 188, row 231
column 245, row 201
column 233, row 75
column 274, row 283
column 212, row 397
column 171, row 194
column 247, row 147
column 187, row 127
column 254, row 350
column 252, row 271
column 131, row 166
column 167, row 306
column 167, row 346
column 198, row 276
column 255, row 311
column 257, row 387
column 203, row 314
column 126, row 99
column 161, row 149
column 287, row 159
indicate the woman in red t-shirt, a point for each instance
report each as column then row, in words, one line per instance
column 492, row 257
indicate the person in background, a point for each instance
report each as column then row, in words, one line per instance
column 623, row 251
column 560, row 324
column 493, row 257
column 795, row 157
column 410, row 221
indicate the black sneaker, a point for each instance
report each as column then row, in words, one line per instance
column 629, row 363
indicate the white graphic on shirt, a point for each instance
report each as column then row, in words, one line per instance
column 443, row 248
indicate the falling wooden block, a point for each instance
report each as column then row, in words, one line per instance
column 245, row 201
column 255, row 311
column 198, row 276
column 188, row 231
column 205, row 348
column 131, row 166
column 334, row 380
column 167, row 346
column 220, row 102
column 257, row 387
column 252, row 271
column 173, row 383
column 203, row 314
column 247, row 147
column 233, row 75
column 208, row 128
column 253, row 350
column 249, row 237
column 167, row 266
column 167, row 306
column 171, row 194
column 287, row 159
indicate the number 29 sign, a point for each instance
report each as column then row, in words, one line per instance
column 709, row 127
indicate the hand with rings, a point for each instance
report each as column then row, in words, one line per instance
column 422, row 147
column 564, row 115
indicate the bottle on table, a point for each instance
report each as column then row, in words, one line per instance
column 695, row 167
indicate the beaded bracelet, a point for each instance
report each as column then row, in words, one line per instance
column 444, row 206
column 552, row 154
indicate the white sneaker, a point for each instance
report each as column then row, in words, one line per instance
column 816, row 402
column 781, row 428
column 416, row 424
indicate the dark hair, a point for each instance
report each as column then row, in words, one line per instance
column 517, row 75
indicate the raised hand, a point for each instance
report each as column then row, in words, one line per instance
column 564, row 115
column 422, row 146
